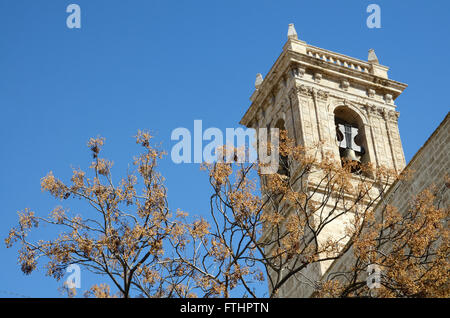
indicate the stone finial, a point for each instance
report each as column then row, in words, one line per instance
column 292, row 34
column 372, row 57
column 258, row 81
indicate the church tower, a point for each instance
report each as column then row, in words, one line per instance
column 346, row 103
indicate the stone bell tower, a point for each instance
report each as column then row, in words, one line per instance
column 346, row 103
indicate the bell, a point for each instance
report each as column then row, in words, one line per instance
column 350, row 155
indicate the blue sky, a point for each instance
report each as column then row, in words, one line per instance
column 159, row 65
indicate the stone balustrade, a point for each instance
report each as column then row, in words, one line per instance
column 338, row 59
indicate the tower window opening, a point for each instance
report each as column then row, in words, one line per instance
column 350, row 138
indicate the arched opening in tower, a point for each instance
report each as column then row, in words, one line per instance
column 350, row 138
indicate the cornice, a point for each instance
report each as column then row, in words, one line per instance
column 295, row 64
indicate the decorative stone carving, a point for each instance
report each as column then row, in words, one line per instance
column 309, row 91
column 321, row 94
column 345, row 84
column 317, row 77
column 380, row 81
column 371, row 109
column 375, row 111
column 371, row 93
column 298, row 71
column 304, row 90
column 292, row 93
column 382, row 112
column 388, row 98
column 393, row 115
column 301, row 71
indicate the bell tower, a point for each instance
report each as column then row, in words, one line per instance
column 323, row 96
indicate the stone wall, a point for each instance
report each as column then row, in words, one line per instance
column 429, row 166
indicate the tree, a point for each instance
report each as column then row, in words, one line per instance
column 290, row 228
column 123, row 236
column 410, row 250
column 258, row 235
